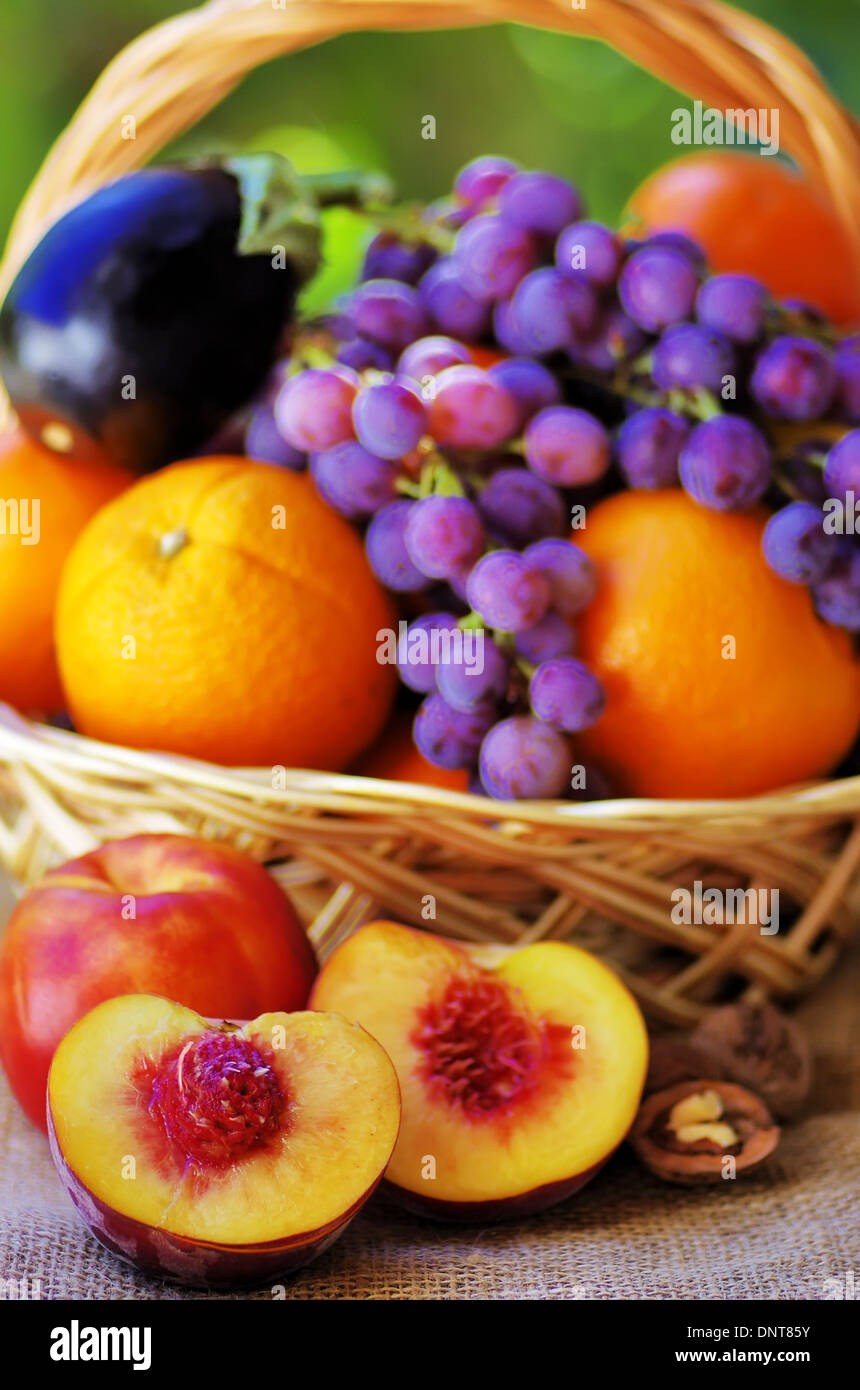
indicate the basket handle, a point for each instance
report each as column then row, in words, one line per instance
column 169, row 78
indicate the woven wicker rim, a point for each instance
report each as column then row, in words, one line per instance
column 172, row 75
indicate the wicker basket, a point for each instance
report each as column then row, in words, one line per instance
column 349, row 847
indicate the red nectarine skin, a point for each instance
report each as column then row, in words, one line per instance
column 502, row 1209
column 191, row 919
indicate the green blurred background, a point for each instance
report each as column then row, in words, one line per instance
column 567, row 104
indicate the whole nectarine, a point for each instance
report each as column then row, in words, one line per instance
column 190, row 918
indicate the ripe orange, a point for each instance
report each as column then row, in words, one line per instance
column 486, row 357
column 680, row 589
column 395, row 758
column 755, row 215
column 45, row 501
column 222, row 610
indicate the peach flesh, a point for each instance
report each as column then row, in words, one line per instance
column 201, row 1264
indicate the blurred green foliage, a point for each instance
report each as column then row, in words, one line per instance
column 550, row 101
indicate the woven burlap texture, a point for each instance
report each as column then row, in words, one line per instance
column 790, row 1232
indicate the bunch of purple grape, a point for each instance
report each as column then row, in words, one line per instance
column 506, row 362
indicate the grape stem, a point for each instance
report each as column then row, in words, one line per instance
column 348, row 188
column 471, row 622
column 438, row 479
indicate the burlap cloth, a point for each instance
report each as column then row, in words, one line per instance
column 792, row 1232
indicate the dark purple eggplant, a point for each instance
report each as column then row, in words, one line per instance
column 153, row 310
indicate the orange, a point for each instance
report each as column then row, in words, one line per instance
column 45, row 501
column 486, row 357
column 222, row 610
column 720, row 679
column 395, row 758
column 755, row 215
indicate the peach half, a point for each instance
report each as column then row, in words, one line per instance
column 214, row 1154
column 520, row 1070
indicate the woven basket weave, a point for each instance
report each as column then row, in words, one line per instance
column 348, row 848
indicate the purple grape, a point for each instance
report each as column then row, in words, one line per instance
column 313, row 411
column 801, row 467
column 429, row 356
column 352, row 480
column 449, row 737
column 506, row 330
column 542, row 204
column 456, row 587
column 386, row 549
column 523, row 759
column 567, row 446
column 361, row 353
column 552, row 636
column 389, row 258
column 733, row 305
column 590, row 252
column 846, row 360
column 685, row 245
column 530, row 385
column 842, row 467
column 795, row 544
column 450, row 305
column 837, row 597
column 521, row 507
column 614, row 338
column 794, row 379
column 389, row 418
column 388, row 312
column 470, row 410
column 507, row 592
column 417, row 654
column 444, row 536
column 692, row 358
column 725, row 463
column 568, row 571
column 264, row 441
column 482, row 179
column 466, row 687
column 566, row 694
column 647, row 447
column 548, row 310
column 657, row 287
column 491, row 257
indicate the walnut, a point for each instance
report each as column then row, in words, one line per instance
column 673, row 1058
column 685, row 1133
column 757, row 1046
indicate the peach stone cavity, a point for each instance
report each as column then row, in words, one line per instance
column 217, row 1097
column 482, row 1048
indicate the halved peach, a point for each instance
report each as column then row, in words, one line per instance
column 520, row 1070
column 216, row 1154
